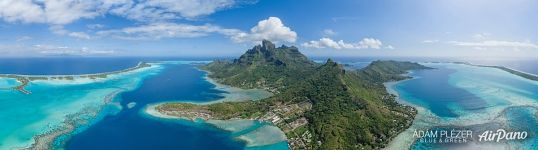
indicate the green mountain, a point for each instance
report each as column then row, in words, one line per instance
column 322, row 106
column 263, row 66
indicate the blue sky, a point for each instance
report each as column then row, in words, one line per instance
column 487, row 29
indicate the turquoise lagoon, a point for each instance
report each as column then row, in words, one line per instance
column 458, row 96
column 46, row 109
column 5, row 84
column 109, row 113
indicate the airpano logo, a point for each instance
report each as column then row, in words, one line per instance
column 501, row 135
column 455, row 136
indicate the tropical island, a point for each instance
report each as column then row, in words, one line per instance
column 318, row 106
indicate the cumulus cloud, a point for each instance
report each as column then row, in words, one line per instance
column 370, row 43
column 56, row 12
column 21, row 10
column 323, row 43
column 270, row 29
column 496, row 44
column 366, row 43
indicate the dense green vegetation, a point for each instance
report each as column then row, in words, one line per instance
column 263, row 66
column 351, row 109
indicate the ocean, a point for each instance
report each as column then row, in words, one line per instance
column 120, row 123
column 129, row 129
column 451, row 95
column 464, row 97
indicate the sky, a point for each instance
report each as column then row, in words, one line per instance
column 487, row 29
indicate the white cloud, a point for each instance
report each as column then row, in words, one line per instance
column 58, row 13
column 170, row 9
column 370, row 43
column 323, row 43
column 496, row 44
column 55, row 12
column 366, row 43
column 61, row 12
column 270, row 29
column 21, row 10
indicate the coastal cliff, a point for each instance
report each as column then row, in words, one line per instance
column 318, row 106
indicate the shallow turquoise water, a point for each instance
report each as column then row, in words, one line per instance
column 7, row 83
column 111, row 124
column 476, row 98
column 131, row 128
column 25, row 116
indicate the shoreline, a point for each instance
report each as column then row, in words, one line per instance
column 230, row 125
column 232, row 94
column 400, row 140
column 54, row 137
column 24, row 80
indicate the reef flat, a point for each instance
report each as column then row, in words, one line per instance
column 24, row 80
column 466, row 96
column 59, row 105
column 516, row 72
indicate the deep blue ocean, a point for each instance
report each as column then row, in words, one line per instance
column 130, row 129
